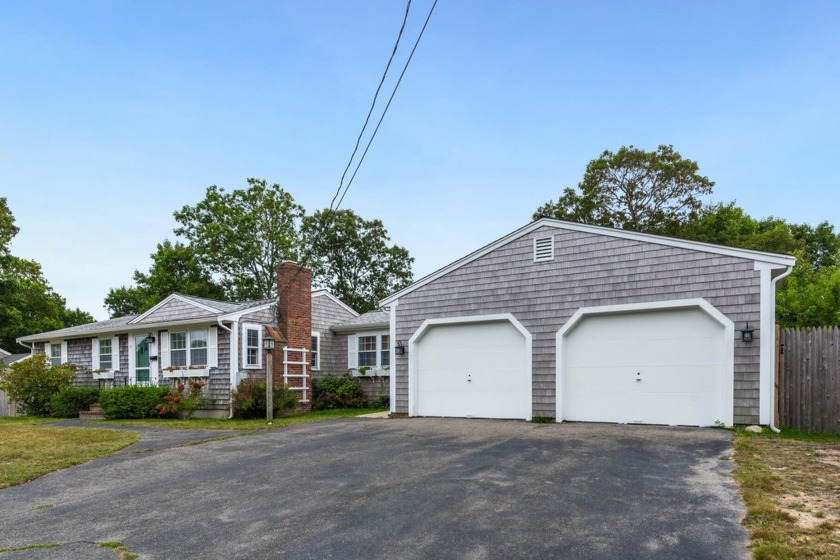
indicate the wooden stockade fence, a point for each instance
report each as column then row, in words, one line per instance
column 808, row 379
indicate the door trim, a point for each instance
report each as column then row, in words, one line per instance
column 498, row 317
column 727, row 388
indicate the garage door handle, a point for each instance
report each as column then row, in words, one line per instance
column 638, row 378
column 468, row 379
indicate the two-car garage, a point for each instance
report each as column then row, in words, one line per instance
column 661, row 363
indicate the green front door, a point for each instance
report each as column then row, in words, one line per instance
column 141, row 363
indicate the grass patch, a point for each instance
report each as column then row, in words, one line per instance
column 26, row 547
column 120, row 548
column 543, row 420
column 791, row 486
column 235, row 424
column 29, row 449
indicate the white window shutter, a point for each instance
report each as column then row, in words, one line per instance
column 132, row 358
column 352, row 352
column 115, row 354
column 163, row 355
column 63, row 351
column 94, row 354
column 213, row 347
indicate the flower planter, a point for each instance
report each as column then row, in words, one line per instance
column 186, row 372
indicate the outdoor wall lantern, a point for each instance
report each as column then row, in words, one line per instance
column 747, row 334
column 399, row 349
column 150, row 338
column 268, row 344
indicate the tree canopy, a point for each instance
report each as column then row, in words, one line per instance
column 660, row 192
column 351, row 257
column 175, row 268
column 656, row 192
column 28, row 304
column 242, row 235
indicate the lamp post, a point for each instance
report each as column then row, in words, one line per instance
column 268, row 346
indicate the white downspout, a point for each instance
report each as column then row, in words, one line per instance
column 772, row 425
column 232, row 368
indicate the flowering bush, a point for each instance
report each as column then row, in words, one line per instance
column 183, row 400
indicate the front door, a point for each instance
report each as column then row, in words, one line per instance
column 141, row 362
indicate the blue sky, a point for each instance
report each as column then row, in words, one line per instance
column 115, row 114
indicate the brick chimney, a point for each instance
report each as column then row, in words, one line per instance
column 294, row 321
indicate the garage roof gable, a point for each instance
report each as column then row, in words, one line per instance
column 771, row 260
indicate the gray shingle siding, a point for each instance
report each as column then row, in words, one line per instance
column 325, row 313
column 588, row 270
column 175, row 310
column 262, row 317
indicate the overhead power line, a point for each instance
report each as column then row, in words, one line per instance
column 341, row 192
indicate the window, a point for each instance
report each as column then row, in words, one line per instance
column 55, row 354
column 367, row 351
column 544, row 249
column 251, row 346
column 178, row 349
column 180, row 342
column 106, row 360
column 198, row 348
column 385, row 350
column 316, row 350
column 372, row 350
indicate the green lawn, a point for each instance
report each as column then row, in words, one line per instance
column 234, row 424
column 29, row 449
column 791, row 486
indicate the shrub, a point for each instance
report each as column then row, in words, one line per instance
column 131, row 402
column 183, row 399
column 382, row 402
column 337, row 392
column 69, row 402
column 32, row 383
column 249, row 399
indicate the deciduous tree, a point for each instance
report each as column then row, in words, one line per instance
column 240, row 236
column 352, row 257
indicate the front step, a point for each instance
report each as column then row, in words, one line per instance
column 95, row 413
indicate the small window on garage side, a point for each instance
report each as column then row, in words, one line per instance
column 316, row 350
column 544, row 249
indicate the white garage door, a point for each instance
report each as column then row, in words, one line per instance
column 472, row 370
column 653, row 367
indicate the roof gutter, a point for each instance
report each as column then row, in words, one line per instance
column 772, row 425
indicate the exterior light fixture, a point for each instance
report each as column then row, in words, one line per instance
column 268, row 344
column 150, row 338
column 399, row 349
column 747, row 334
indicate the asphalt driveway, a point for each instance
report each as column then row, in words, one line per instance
column 418, row 488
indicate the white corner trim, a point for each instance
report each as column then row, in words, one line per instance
column 497, row 317
column 770, row 258
column 323, row 292
column 766, row 346
column 727, row 389
column 392, row 382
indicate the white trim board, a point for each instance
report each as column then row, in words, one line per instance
column 773, row 259
column 498, row 317
column 728, row 383
column 171, row 298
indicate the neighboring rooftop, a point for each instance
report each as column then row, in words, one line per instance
column 369, row 320
column 12, row 358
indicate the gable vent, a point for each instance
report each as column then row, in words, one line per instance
column 544, row 249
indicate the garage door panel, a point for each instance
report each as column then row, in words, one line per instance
column 473, row 369
column 677, row 355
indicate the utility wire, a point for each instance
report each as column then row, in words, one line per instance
column 333, row 204
column 390, row 99
column 372, row 105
